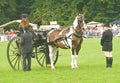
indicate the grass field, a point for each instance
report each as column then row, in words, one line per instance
column 91, row 69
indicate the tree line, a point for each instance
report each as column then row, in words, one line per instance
column 62, row 11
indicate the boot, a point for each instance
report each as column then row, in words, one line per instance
column 109, row 61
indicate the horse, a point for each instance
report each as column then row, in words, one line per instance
column 70, row 38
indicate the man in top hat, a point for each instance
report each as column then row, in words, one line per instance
column 26, row 49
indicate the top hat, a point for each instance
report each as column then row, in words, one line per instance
column 24, row 15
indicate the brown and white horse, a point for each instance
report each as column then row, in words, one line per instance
column 67, row 38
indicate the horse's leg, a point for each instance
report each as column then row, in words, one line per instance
column 52, row 52
column 76, row 56
column 73, row 59
column 75, row 62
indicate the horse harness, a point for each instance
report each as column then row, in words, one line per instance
column 65, row 38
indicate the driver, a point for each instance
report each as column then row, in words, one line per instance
column 24, row 23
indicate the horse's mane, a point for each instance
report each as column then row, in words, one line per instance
column 75, row 22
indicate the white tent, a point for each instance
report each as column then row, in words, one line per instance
column 93, row 23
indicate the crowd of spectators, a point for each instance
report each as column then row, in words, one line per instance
column 115, row 29
column 89, row 32
column 6, row 36
column 96, row 31
column 92, row 31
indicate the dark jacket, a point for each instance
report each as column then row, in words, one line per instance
column 26, row 42
column 106, row 40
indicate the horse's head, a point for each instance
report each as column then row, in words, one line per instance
column 80, row 18
column 79, row 21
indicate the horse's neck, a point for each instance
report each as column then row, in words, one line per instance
column 77, row 27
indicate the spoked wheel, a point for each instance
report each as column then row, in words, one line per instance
column 42, row 55
column 14, row 53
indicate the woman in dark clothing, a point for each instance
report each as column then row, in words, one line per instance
column 106, row 43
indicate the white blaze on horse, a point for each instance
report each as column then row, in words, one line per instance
column 67, row 38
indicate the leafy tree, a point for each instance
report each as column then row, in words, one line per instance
column 23, row 6
column 3, row 18
column 62, row 11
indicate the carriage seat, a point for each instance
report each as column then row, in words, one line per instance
column 40, row 38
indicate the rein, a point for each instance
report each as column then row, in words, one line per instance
column 75, row 33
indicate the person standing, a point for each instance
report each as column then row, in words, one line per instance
column 106, row 43
column 26, row 49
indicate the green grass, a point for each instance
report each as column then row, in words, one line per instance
column 91, row 69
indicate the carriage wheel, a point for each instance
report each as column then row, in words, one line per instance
column 42, row 56
column 14, row 54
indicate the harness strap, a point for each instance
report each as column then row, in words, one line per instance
column 66, row 42
column 64, row 39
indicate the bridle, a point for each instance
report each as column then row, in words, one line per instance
column 80, row 20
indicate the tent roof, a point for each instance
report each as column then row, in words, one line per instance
column 93, row 23
column 115, row 22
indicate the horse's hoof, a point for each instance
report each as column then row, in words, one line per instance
column 53, row 68
column 75, row 67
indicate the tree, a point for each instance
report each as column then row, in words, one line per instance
column 62, row 11
column 23, row 6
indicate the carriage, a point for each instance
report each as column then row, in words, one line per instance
column 40, row 49
column 46, row 48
